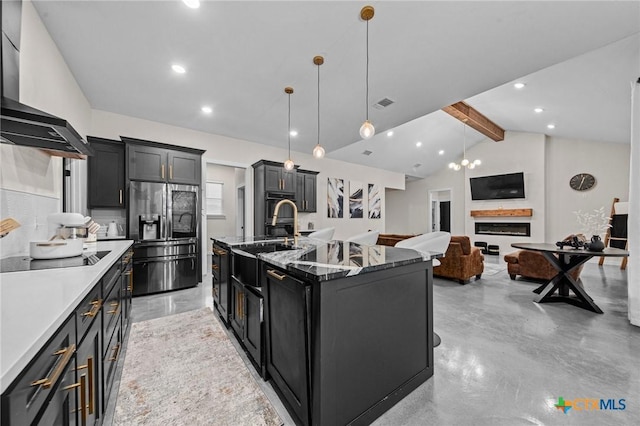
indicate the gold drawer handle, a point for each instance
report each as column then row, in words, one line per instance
column 276, row 276
column 115, row 306
column 95, row 308
column 220, row 252
column 215, row 267
column 66, row 355
column 117, row 352
column 50, row 244
column 82, row 384
column 89, row 367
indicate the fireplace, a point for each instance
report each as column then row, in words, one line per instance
column 515, row 229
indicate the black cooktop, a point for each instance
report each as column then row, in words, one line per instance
column 25, row 263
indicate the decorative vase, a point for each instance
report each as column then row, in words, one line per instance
column 596, row 243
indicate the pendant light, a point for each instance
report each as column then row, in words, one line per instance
column 464, row 163
column 288, row 165
column 367, row 130
column 318, row 151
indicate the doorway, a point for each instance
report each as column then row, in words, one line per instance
column 440, row 210
column 240, row 213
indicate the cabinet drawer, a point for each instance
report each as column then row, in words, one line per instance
column 30, row 392
column 110, row 316
column 88, row 311
column 110, row 279
column 110, row 361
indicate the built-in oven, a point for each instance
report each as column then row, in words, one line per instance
column 284, row 224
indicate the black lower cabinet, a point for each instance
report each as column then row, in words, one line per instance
column 110, row 362
column 252, row 337
column 67, row 405
column 220, row 273
column 89, row 369
column 236, row 315
column 287, row 337
column 46, row 375
column 344, row 350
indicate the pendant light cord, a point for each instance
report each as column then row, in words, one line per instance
column 318, row 104
column 289, row 125
column 464, row 140
column 367, row 106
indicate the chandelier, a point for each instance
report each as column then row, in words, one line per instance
column 465, row 162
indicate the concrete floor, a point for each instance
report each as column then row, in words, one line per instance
column 504, row 360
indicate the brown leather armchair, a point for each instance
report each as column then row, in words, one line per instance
column 533, row 265
column 461, row 261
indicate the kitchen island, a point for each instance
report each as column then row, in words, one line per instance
column 52, row 318
column 348, row 329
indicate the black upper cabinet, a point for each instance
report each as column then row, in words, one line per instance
column 277, row 179
column 157, row 162
column 106, row 174
column 306, row 191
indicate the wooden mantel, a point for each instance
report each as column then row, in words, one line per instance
column 502, row 212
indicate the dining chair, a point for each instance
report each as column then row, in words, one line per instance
column 366, row 238
column 324, row 234
column 433, row 241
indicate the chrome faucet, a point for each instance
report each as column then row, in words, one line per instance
column 296, row 234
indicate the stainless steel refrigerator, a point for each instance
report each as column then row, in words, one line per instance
column 164, row 222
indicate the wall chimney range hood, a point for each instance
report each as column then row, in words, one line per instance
column 21, row 124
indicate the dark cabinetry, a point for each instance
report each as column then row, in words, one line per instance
column 156, row 162
column 327, row 341
column 287, row 337
column 220, row 277
column 306, row 191
column 273, row 183
column 252, row 336
column 277, row 179
column 236, row 315
column 69, row 381
column 41, row 385
column 106, row 174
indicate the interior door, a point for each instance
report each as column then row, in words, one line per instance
column 445, row 216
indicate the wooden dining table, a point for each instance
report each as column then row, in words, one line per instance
column 565, row 260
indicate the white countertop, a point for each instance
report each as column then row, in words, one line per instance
column 33, row 304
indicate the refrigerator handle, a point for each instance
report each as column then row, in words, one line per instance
column 166, row 203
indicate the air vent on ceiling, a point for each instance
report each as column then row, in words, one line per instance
column 415, row 166
column 367, row 152
column 383, row 103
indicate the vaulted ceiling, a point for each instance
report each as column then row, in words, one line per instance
column 576, row 59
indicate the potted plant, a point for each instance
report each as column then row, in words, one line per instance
column 595, row 224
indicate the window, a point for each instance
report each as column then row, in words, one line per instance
column 214, row 199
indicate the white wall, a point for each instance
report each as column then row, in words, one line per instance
column 609, row 163
column 547, row 162
column 240, row 153
column 30, row 180
column 224, row 226
column 518, row 152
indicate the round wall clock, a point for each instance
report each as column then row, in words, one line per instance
column 582, row 181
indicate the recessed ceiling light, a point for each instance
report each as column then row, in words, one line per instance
column 178, row 68
column 193, row 4
column 418, row 144
column 551, row 126
column 538, row 110
column 207, row 109
column 293, row 133
column 441, row 152
column 390, row 133
column 519, row 85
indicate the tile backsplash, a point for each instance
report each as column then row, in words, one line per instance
column 31, row 212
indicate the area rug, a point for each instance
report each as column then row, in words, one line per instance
column 183, row 370
column 492, row 268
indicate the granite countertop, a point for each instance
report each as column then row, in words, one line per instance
column 35, row 303
column 323, row 261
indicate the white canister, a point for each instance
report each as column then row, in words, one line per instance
column 55, row 249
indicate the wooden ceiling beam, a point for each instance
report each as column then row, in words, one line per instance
column 474, row 118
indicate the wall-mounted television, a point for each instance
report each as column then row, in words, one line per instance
column 497, row 187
